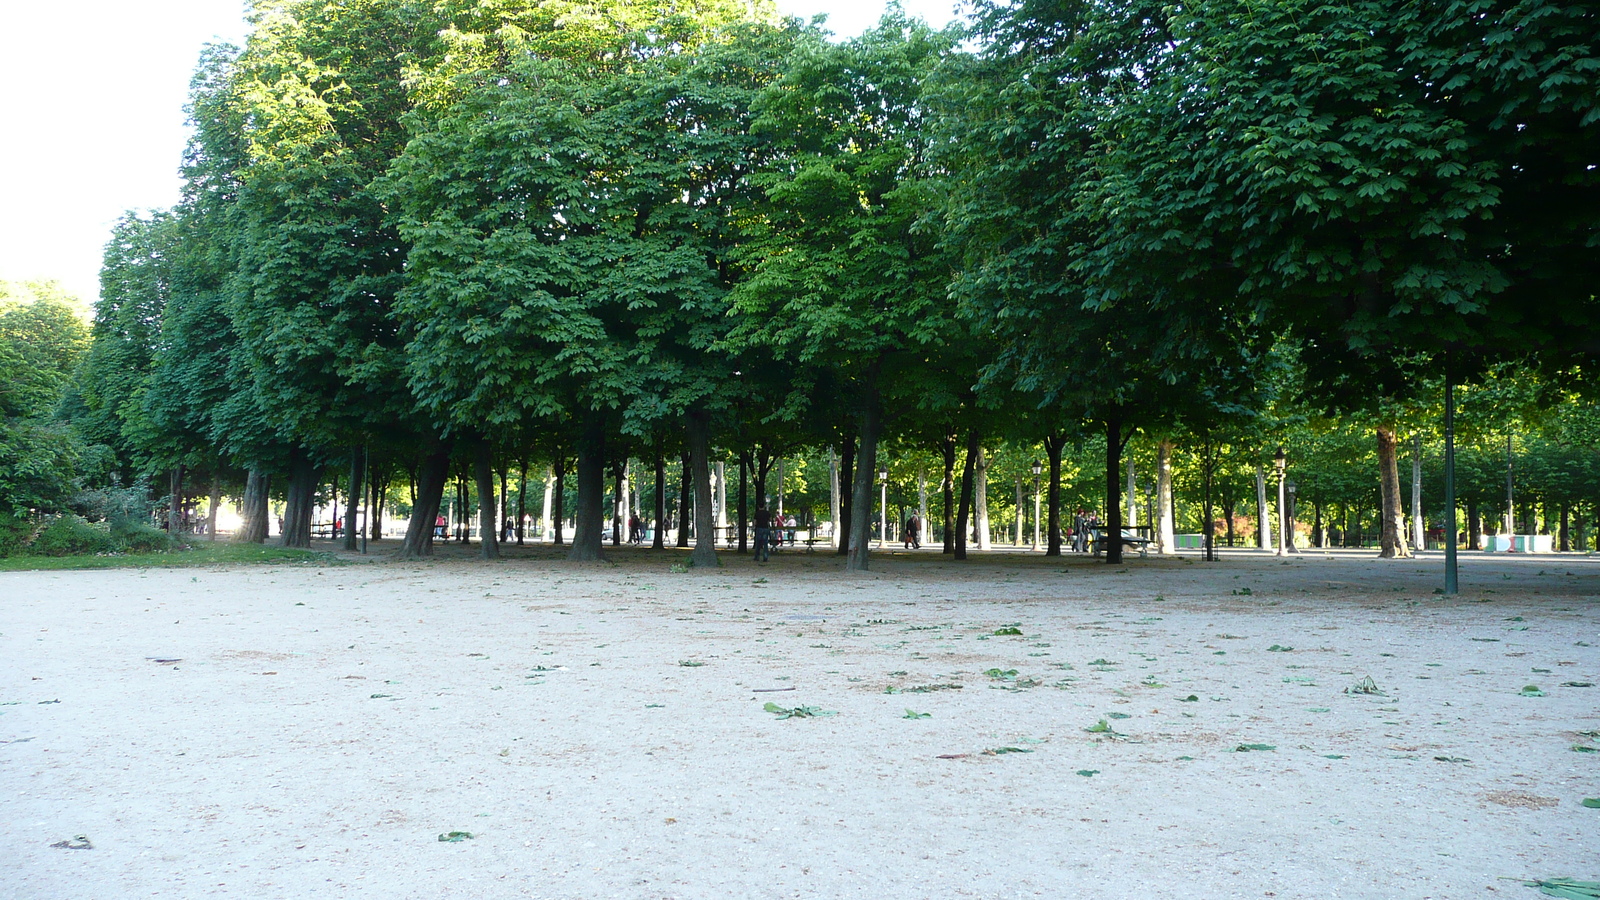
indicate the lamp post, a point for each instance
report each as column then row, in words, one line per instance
column 883, row 508
column 1280, row 462
column 1293, row 510
column 1038, row 467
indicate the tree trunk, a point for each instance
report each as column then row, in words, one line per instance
column 1053, row 445
column 1166, row 531
column 378, row 487
column 847, row 475
column 833, row 494
column 358, row 487
column 175, row 501
column 660, row 541
column 588, row 532
column 685, row 482
column 1566, row 525
column 1263, row 517
column 560, row 523
column 1391, row 522
column 981, row 500
column 705, row 535
column 430, row 483
column 1419, row 535
column 964, row 506
column 253, row 528
column 488, row 527
column 861, row 492
column 298, row 499
column 619, row 501
column 1114, row 444
column 744, row 501
column 216, row 501
column 522, row 498
column 948, row 486
column 1208, row 527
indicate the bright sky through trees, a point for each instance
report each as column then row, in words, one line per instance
column 99, row 130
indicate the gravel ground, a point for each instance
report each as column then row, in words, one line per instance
column 1320, row 727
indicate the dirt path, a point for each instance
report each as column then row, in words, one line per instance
column 599, row 730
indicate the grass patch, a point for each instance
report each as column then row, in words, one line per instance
column 203, row 554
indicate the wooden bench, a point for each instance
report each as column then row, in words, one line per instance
column 1142, row 544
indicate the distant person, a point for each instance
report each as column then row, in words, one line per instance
column 763, row 533
column 912, row 537
column 440, row 526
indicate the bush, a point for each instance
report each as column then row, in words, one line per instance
column 14, row 532
column 67, row 535
column 140, row 537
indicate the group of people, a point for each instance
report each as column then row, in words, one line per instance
column 1083, row 526
column 912, row 535
column 770, row 530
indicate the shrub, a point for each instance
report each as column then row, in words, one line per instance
column 140, row 537
column 14, row 532
column 68, row 534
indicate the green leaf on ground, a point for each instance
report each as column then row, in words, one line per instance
column 1088, row 773
column 1364, row 686
column 1276, row 648
column 1101, row 662
column 1567, row 888
column 1532, row 690
column 1592, row 802
column 1333, row 756
column 654, row 705
column 452, row 837
column 1245, row 748
column 1577, row 684
column 798, row 712
column 1317, row 709
column 997, row 751
column 913, row 714
column 690, row 663
column 1006, row 632
column 1001, row 674
column 1579, row 748
column 1189, row 699
column 1117, row 715
column 1452, row 759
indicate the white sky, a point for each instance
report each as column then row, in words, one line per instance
column 91, row 116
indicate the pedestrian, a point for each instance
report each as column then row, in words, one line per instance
column 763, row 532
column 913, row 533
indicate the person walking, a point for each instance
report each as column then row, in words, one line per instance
column 763, row 531
column 912, row 535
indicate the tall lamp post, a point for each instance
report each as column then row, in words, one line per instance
column 1280, row 462
column 1038, row 467
column 883, row 508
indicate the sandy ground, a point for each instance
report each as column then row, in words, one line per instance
column 599, row 729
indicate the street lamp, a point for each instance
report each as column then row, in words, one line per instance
column 1037, row 467
column 883, row 507
column 1280, row 462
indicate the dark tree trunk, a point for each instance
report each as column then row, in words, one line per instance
column 1474, row 532
column 685, row 480
column 847, row 470
column 744, row 501
column 1391, row 520
column 216, row 501
column 866, row 471
column 559, row 501
column 618, row 475
column 964, row 506
column 588, row 533
column 1053, row 445
column 253, row 528
column 948, row 448
column 660, row 541
column 175, row 501
column 378, row 488
column 1566, row 526
column 1114, row 444
column 298, row 500
column 358, row 486
column 333, row 508
column 705, row 530
column 483, row 473
column 1208, row 466
column 522, row 497
column 430, row 482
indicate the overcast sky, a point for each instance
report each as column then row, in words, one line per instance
column 91, row 116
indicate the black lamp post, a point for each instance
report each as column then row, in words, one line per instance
column 1280, row 462
column 1037, row 467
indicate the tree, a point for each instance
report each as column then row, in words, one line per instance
column 845, row 268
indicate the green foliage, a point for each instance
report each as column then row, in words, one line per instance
column 70, row 535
